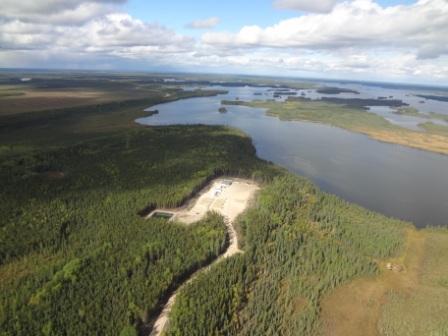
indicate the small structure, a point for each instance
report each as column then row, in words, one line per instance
column 162, row 214
column 394, row 267
column 227, row 182
column 221, row 186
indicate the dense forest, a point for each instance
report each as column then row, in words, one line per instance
column 75, row 256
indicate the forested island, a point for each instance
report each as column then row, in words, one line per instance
column 335, row 90
column 78, row 258
column 434, row 97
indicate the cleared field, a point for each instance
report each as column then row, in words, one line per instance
column 21, row 99
column 228, row 197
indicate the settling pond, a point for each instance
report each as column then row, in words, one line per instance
column 395, row 180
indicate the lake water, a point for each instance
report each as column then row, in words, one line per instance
column 397, row 181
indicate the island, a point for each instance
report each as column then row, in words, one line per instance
column 434, row 97
column 335, row 90
column 364, row 102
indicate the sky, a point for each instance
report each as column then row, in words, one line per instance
column 380, row 40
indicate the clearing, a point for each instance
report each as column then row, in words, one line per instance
column 226, row 196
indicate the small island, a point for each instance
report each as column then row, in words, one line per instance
column 334, row 90
column 434, row 97
column 222, row 109
column 408, row 111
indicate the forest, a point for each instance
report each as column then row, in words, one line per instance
column 299, row 243
column 77, row 256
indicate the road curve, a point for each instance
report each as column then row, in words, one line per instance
column 232, row 249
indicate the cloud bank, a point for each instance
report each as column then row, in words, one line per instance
column 356, row 39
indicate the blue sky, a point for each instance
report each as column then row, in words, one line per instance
column 392, row 40
column 233, row 13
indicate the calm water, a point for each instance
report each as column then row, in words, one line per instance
column 394, row 180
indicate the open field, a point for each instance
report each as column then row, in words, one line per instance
column 56, row 93
column 26, row 99
column 413, row 301
column 357, row 120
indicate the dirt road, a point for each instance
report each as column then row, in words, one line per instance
column 229, row 197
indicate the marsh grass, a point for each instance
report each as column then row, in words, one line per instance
column 434, row 138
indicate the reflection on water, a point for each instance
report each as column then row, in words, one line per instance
column 398, row 181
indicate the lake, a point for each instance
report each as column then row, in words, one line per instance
column 395, row 180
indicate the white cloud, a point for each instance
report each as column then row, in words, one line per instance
column 317, row 6
column 114, row 34
column 45, row 7
column 355, row 39
column 422, row 26
column 208, row 23
column 65, row 12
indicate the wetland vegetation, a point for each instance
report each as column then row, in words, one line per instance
column 352, row 115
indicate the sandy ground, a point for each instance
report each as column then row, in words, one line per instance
column 229, row 201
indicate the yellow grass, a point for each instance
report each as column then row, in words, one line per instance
column 420, row 140
column 411, row 302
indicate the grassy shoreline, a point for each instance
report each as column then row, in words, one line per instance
column 435, row 139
